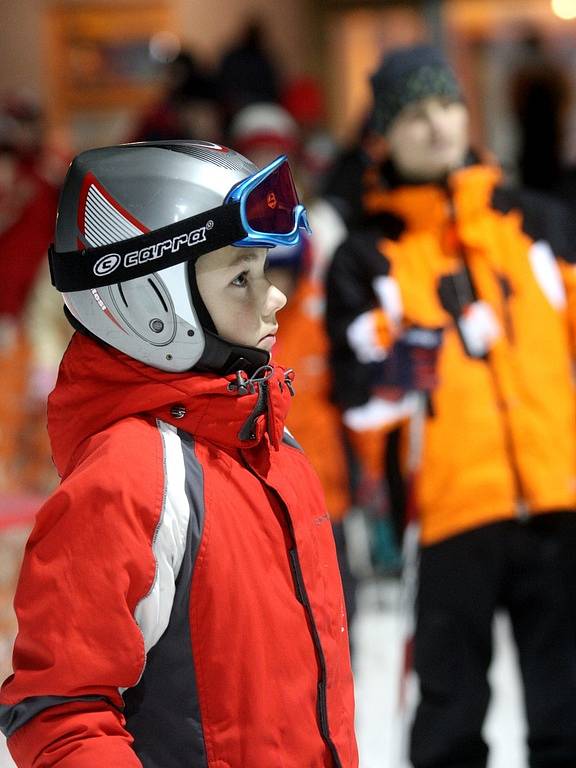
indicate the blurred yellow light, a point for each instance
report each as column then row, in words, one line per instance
column 564, row 9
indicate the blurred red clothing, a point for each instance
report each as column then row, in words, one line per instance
column 28, row 202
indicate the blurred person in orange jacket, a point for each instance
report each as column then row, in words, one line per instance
column 447, row 252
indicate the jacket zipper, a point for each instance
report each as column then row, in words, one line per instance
column 302, row 596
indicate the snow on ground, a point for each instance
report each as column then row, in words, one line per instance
column 381, row 732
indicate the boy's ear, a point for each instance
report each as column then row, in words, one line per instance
column 377, row 146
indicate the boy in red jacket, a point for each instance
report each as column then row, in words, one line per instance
column 179, row 603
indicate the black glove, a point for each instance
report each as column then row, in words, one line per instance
column 412, row 362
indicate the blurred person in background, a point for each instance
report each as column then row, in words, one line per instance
column 31, row 171
column 187, row 107
column 540, row 97
column 377, row 525
column 488, row 273
column 303, row 98
column 246, row 73
column 262, row 132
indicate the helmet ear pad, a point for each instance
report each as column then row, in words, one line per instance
column 149, row 318
column 145, row 306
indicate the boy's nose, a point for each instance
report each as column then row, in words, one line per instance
column 435, row 114
column 275, row 300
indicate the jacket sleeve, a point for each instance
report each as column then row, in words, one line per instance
column 566, row 256
column 560, row 234
column 358, row 284
column 363, row 308
column 88, row 564
column 551, row 225
column 569, row 277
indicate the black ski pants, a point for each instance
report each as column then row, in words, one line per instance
column 462, row 582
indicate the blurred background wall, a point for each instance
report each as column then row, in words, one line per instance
column 35, row 36
column 336, row 41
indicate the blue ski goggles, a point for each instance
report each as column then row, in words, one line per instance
column 261, row 211
column 270, row 211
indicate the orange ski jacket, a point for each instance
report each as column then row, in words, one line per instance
column 313, row 418
column 500, row 437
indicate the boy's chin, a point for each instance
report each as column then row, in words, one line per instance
column 267, row 343
column 437, row 170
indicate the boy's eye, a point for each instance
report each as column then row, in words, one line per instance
column 448, row 102
column 419, row 114
column 241, row 280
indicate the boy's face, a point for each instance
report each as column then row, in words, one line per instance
column 239, row 297
column 429, row 138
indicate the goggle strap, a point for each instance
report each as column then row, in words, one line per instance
column 150, row 252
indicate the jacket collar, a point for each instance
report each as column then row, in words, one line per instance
column 431, row 206
column 98, row 386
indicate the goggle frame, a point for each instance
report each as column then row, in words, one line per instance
column 254, row 238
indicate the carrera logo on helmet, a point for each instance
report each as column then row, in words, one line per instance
column 111, row 261
column 106, row 264
column 173, row 245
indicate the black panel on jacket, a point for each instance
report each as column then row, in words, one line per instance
column 162, row 710
column 349, row 284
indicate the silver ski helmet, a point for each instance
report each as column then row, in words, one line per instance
column 132, row 221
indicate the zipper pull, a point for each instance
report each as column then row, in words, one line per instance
column 289, row 379
column 240, row 385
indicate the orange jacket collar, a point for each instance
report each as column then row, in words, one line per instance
column 426, row 206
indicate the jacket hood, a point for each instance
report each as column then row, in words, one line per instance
column 98, row 386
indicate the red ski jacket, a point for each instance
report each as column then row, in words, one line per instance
column 179, row 603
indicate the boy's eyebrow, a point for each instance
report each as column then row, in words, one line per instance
column 248, row 255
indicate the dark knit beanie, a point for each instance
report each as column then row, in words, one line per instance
column 407, row 75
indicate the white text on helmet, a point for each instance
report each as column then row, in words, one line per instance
column 111, row 261
column 158, row 250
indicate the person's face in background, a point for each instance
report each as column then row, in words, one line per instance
column 429, row 138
